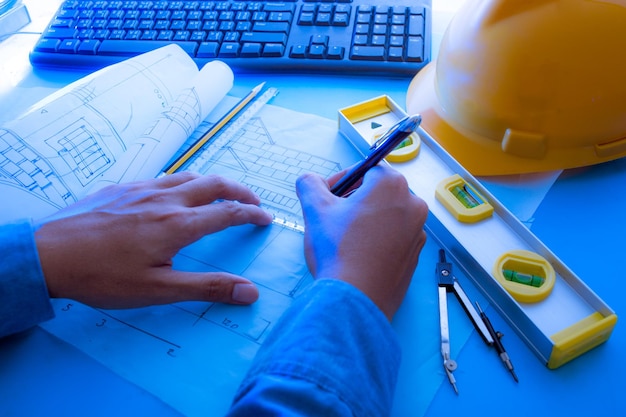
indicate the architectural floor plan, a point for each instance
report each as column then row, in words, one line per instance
column 194, row 354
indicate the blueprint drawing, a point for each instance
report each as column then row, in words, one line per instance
column 193, row 355
column 118, row 124
column 270, row 169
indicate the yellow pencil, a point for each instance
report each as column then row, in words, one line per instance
column 213, row 130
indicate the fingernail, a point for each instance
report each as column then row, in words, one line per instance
column 245, row 293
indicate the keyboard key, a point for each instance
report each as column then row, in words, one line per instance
column 279, row 7
column 319, row 40
column 378, row 40
column 181, row 35
column 335, row 52
column 273, row 50
column 282, row 27
column 208, row 50
column 61, row 33
column 251, row 50
column 229, row 50
column 298, row 51
column 89, row 47
column 69, row 46
column 231, row 37
column 62, row 23
column 396, row 41
column 132, row 35
column 395, row 54
column 116, row 35
column 47, row 45
column 280, row 17
column 317, row 51
column 360, row 40
column 341, row 19
column 415, row 49
column 149, row 35
column 263, row 37
column 131, row 48
column 306, row 19
column 243, row 26
column 416, row 25
column 368, row 53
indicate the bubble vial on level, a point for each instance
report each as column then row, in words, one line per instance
column 521, row 278
column 464, row 195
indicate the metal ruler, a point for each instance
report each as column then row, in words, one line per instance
column 199, row 161
column 204, row 158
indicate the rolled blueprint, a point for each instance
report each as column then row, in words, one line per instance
column 121, row 123
column 149, row 153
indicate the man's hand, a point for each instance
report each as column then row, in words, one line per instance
column 371, row 239
column 114, row 248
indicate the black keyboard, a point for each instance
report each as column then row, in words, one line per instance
column 390, row 37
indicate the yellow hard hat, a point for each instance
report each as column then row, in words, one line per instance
column 528, row 86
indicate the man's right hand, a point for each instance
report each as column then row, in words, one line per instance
column 371, row 239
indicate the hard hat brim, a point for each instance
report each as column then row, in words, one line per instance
column 484, row 156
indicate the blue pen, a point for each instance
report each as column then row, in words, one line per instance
column 379, row 150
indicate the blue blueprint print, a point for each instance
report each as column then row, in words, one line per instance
column 270, row 169
column 193, row 355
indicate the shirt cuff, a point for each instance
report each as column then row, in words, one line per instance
column 24, row 299
column 336, row 339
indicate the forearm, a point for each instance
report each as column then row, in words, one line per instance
column 333, row 353
column 24, row 299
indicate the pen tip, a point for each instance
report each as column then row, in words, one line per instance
column 259, row 87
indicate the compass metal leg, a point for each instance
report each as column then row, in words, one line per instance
column 449, row 364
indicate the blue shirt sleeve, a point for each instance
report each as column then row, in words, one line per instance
column 333, row 353
column 24, row 299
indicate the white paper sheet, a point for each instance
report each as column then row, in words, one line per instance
column 193, row 355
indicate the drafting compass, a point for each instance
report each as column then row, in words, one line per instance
column 448, row 283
